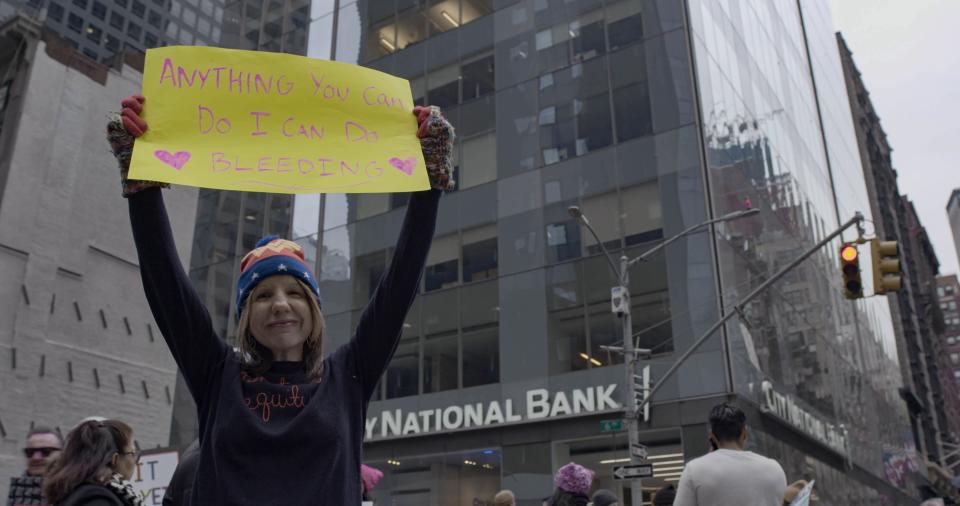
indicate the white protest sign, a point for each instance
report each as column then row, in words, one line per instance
column 153, row 474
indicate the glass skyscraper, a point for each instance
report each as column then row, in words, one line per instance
column 651, row 116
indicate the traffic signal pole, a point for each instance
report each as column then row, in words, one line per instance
column 737, row 309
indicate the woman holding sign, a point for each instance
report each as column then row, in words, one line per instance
column 280, row 422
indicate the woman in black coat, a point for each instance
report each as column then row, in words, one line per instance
column 94, row 469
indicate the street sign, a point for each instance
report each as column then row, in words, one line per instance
column 639, row 451
column 633, row 472
column 611, row 425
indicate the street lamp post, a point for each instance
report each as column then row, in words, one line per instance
column 620, row 306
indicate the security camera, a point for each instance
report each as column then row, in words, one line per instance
column 619, row 300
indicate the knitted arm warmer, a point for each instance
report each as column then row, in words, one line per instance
column 121, row 144
column 437, row 147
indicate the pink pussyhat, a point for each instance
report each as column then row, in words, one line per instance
column 369, row 476
column 573, row 478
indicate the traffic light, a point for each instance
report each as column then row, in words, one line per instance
column 850, row 267
column 886, row 266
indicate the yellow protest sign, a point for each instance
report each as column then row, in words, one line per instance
column 269, row 122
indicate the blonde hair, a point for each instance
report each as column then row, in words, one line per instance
column 257, row 358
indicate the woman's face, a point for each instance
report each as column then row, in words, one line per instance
column 125, row 462
column 280, row 316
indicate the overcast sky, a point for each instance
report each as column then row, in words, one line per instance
column 908, row 53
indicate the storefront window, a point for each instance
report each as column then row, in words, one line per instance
column 469, row 478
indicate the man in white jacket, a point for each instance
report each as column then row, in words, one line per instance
column 729, row 475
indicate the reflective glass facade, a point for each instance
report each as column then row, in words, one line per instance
column 763, row 107
column 651, row 116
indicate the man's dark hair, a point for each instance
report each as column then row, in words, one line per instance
column 727, row 422
column 43, row 429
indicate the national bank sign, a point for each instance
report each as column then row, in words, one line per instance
column 540, row 404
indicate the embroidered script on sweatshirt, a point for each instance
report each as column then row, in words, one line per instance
column 264, row 403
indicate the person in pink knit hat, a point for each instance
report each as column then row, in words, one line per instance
column 572, row 483
column 369, row 477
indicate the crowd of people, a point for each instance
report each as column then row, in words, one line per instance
column 95, row 463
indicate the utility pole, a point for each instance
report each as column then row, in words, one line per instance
column 620, row 306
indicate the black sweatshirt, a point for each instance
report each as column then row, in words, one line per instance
column 278, row 439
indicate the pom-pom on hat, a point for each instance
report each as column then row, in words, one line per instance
column 573, row 478
column 272, row 256
column 370, row 476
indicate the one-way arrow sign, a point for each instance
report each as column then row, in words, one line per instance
column 633, row 471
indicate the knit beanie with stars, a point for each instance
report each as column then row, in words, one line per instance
column 272, row 256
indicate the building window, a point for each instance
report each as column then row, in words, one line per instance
column 95, row 34
column 574, row 114
column 440, row 359
column 80, row 3
column 149, row 40
column 402, row 375
column 112, row 43
column 444, row 86
column 480, row 339
column 480, row 254
column 624, row 23
column 138, row 9
column 642, row 214
column 154, row 19
column 367, row 271
column 443, row 263
column 116, row 20
column 478, row 162
column 951, row 340
column 134, row 31
column 604, row 213
column 91, row 54
column 478, row 77
column 55, row 12
column 99, row 10
column 121, row 3
column 74, row 22
column 955, row 358
column 563, row 241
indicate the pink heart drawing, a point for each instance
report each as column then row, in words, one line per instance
column 405, row 166
column 177, row 160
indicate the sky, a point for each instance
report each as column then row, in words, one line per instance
column 908, row 53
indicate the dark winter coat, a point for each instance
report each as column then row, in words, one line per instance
column 25, row 490
column 92, row 495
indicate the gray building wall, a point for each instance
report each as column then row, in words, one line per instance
column 76, row 335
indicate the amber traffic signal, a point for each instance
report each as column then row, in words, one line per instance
column 850, row 268
column 886, row 266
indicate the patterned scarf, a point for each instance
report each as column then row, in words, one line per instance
column 124, row 490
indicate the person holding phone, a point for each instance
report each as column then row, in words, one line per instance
column 281, row 421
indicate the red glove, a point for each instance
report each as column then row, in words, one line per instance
column 423, row 114
column 130, row 116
